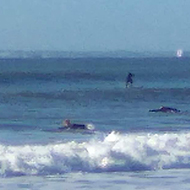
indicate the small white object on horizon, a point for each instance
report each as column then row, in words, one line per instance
column 179, row 53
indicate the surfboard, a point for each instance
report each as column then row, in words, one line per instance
column 69, row 130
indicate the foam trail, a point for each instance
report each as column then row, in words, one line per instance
column 116, row 152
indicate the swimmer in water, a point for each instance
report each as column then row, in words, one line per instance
column 68, row 125
column 166, row 110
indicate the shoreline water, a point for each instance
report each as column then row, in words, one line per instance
column 177, row 179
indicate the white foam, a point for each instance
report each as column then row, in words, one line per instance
column 90, row 126
column 116, row 152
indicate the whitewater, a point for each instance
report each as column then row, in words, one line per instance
column 115, row 153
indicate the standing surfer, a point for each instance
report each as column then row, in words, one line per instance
column 129, row 80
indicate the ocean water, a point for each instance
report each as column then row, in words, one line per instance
column 130, row 148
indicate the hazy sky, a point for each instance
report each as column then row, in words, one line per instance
column 95, row 25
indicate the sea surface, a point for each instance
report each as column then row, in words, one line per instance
column 130, row 148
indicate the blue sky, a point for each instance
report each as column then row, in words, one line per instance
column 95, row 25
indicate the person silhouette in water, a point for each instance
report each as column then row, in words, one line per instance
column 76, row 126
column 165, row 109
column 67, row 124
column 129, row 80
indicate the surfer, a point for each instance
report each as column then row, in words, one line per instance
column 165, row 110
column 68, row 125
column 129, row 80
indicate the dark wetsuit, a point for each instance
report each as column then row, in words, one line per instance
column 74, row 127
column 166, row 110
column 77, row 126
column 129, row 80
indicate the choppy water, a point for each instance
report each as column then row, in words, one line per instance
column 130, row 148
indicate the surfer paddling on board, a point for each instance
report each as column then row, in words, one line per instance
column 129, row 80
column 165, row 110
column 68, row 125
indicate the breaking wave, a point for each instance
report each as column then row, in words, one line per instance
column 115, row 152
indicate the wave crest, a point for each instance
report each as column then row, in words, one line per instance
column 116, row 152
